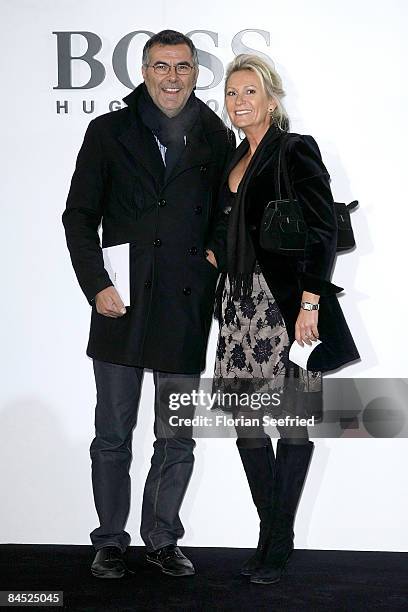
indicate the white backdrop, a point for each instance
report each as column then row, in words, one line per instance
column 343, row 66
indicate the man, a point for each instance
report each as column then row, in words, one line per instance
column 150, row 174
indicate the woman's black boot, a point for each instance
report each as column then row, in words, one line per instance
column 259, row 468
column 292, row 463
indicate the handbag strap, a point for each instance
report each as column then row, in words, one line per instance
column 286, row 179
column 277, row 174
column 282, row 165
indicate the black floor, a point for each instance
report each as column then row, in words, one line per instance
column 314, row 580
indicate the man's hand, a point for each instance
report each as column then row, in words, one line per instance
column 211, row 258
column 109, row 304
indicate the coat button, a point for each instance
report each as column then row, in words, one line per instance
column 203, row 168
column 162, row 202
column 198, row 210
column 187, row 290
column 193, row 251
column 148, row 284
column 157, row 242
column 252, row 228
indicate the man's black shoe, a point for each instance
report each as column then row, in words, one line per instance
column 171, row 561
column 109, row 563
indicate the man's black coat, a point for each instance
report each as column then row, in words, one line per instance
column 119, row 182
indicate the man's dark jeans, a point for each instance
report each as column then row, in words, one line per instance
column 118, row 392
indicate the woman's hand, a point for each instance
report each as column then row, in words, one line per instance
column 306, row 327
column 211, row 258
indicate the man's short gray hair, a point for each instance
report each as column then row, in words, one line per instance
column 169, row 37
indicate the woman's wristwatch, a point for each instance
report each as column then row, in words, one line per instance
column 309, row 306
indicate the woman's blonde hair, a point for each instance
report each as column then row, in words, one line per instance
column 270, row 80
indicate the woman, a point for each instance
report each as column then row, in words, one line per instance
column 269, row 299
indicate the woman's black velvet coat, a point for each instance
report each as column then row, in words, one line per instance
column 289, row 276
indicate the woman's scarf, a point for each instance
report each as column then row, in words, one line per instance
column 241, row 255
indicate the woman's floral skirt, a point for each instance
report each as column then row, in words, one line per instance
column 253, row 354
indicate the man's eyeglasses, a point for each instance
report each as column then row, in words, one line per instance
column 183, row 68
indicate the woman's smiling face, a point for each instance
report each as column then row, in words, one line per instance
column 248, row 104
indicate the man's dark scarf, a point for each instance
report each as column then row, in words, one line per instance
column 170, row 131
column 241, row 255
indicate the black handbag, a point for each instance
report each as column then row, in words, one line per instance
column 345, row 235
column 283, row 228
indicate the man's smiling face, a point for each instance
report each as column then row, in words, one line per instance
column 170, row 92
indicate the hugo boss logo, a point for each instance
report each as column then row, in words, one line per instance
column 81, row 52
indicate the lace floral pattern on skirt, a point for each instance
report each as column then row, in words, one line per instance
column 253, row 351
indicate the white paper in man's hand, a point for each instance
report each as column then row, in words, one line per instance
column 300, row 354
column 116, row 261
